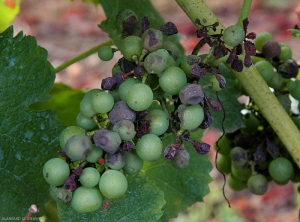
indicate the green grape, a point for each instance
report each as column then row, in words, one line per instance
column 239, row 157
column 133, row 163
column 113, row 184
column 115, row 161
column 86, row 108
column 285, row 102
column 152, row 39
column 95, row 154
column 140, row 97
column 251, row 123
column 215, row 85
column 86, row 199
column 233, row 35
column 257, row 184
column 78, row 146
column 105, row 53
column 149, row 147
column 125, row 86
column 102, row 102
column 291, row 85
column 225, row 145
column 85, row 122
column 89, row 177
column 181, row 160
column 235, row 183
column 157, row 61
column 276, row 81
column 55, row 171
column 224, row 164
column 172, row 48
column 190, row 116
column 67, row 133
column 286, row 52
column 281, row 169
column 265, row 69
column 115, row 95
column 60, row 194
column 172, row 80
column 241, row 174
column 271, row 49
column 159, row 121
column 126, row 129
column 261, row 38
column 131, row 46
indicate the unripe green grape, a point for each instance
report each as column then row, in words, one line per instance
column 157, row 61
column 125, row 86
column 131, row 46
column 271, row 49
column 172, row 48
column 133, row 163
column 85, row 122
column 276, row 81
column 67, row 133
column 235, row 183
column 257, row 184
column 115, row 95
column 108, row 140
column 239, row 157
column 286, row 52
column 102, row 102
column 105, row 53
column 225, row 145
column 126, row 129
column 140, row 97
column 60, row 194
column 86, row 107
column 89, row 177
column 261, row 38
column 224, row 164
column 181, row 159
column 215, row 85
column 86, row 199
column 233, row 35
column 152, row 39
column 251, row 123
column 115, row 161
column 78, row 146
column 55, row 171
column 159, row 121
column 95, row 154
column 291, row 85
column 113, row 184
column 240, row 173
column 265, row 69
column 285, row 102
column 281, row 169
column 149, row 147
column 172, row 80
column 190, row 116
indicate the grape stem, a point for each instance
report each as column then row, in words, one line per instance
column 82, row 56
column 252, row 81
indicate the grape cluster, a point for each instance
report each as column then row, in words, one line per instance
column 154, row 91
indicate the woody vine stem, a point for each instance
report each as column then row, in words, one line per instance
column 251, row 80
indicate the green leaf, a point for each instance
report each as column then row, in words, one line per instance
column 63, row 99
column 28, row 138
column 295, row 32
column 229, row 98
column 142, row 202
column 183, row 187
column 8, row 11
column 142, row 8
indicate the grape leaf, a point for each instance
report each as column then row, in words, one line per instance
column 229, row 99
column 183, row 187
column 28, row 138
column 142, row 8
column 63, row 99
column 295, row 32
column 142, row 202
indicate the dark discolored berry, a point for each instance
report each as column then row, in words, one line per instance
column 181, row 159
column 126, row 19
column 121, row 111
column 271, row 49
column 171, row 151
column 152, row 39
column 288, row 69
column 168, row 29
column 115, row 161
column 109, row 141
column 191, row 94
